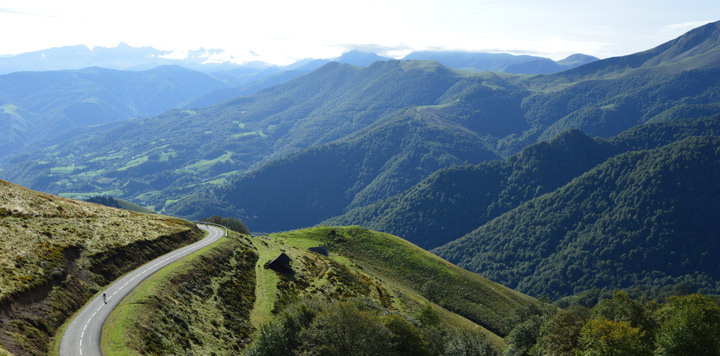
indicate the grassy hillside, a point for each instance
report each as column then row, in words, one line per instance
column 198, row 305
column 363, row 265
column 56, row 253
column 643, row 219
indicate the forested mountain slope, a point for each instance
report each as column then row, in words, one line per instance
column 642, row 219
column 314, row 184
column 454, row 201
column 180, row 150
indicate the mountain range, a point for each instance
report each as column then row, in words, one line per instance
column 349, row 144
column 501, row 114
column 501, row 62
column 126, row 57
column 37, row 105
column 61, row 89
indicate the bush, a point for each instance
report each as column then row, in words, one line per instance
column 231, row 223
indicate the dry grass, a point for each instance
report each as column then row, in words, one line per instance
column 37, row 230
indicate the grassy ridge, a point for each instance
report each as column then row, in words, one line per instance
column 405, row 267
column 197, row 305
column 171, row 312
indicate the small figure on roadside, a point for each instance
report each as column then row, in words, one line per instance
column 104, row 298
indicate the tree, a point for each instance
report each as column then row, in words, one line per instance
column 468, row 344
column 231, row 223
column 623, row 308
column 524, row 336
column 603, row 337
column 406, row 337
column 560, row 335
column 690, row 325
column 342, row 329
column 280, row 336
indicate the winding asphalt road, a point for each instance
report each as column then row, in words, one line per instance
column 82, row 336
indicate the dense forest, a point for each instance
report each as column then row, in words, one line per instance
column 642, row 219
column 456, row 200
column 620, row 325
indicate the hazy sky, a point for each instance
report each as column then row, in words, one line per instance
column 281, row 31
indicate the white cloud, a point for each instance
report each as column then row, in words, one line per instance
column 175, row 54
column 281, row 31
column 678, row 29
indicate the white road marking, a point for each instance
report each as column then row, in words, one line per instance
column 195, row 246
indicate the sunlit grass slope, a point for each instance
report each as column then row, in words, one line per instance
column 176, row 311
column 55, row 253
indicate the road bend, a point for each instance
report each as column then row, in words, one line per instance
column 82, row 336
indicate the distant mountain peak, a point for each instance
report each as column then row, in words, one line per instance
column 577, row 59
column 358, row 58
column 697, row 48
column 499, row 62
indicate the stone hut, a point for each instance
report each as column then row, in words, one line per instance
column 281, row 264
column 323, row 250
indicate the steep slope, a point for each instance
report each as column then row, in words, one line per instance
column 454, row 201
column 695, row 49
column 304, row 188
column 55, row 253
column 44, row 103
column 641, row 219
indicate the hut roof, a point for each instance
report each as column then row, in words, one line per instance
column 323, row 250
column 281, row 263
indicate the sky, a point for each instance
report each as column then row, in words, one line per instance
column 283, row 31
